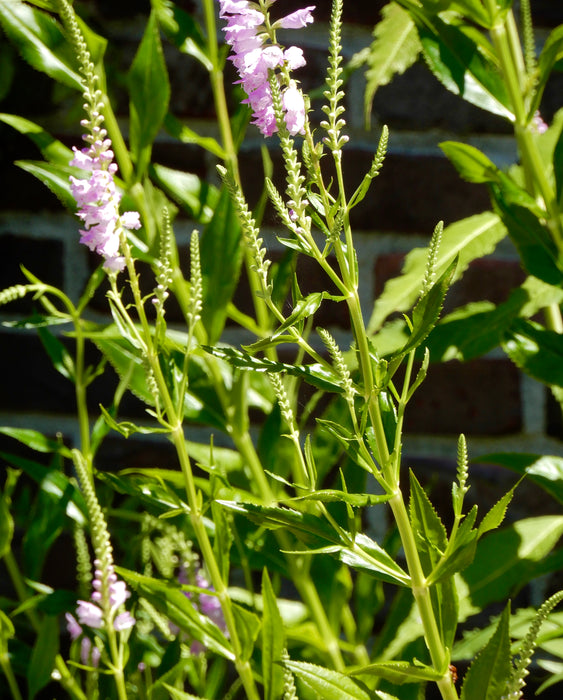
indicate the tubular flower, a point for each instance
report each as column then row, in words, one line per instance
column 98, row 200
column 255, row 59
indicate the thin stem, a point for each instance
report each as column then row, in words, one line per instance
column 66, row 679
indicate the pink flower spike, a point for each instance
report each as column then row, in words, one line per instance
column 297, row 19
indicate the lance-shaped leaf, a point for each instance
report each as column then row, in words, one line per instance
column 40, row 41
column 551, row 57
column 544, row 470
column 197, row 197
column 45, row 650
column 332, row 685
column 536, row 350
column 273, row 642
column 487, row 676
column 460, row 58
column 52, row 149
column 359, row 552
column 467, row 240
column 149, row 91
column 396, row 48
column 221, row 258
column 400, row 672
column 316, row 374
column 180, row 610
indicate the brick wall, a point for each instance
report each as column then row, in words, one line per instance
column 488, row 399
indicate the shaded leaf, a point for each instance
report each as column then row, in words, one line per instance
column 536, row 350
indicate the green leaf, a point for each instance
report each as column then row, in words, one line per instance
column 60, row 357
column 399, row 672
column 196, row 197
column 495, row 515
column 315, row 374
column 487, row 676
column 356, row 500
column 149, row 91
column 467, row 240
column 43, row 656
column 183, row 133
column 221, row 258
column 53, row 176
column 329, row 684
column 273, row 642
column 427, row 311
column 536, row 351
column 544, row 470
column 248, row 627
column 36, row 441
column 53, row 482
column 52, row 150
column 7, row 631
column 6, row 526
column 179, row 609
column 183, row 31
column 396, row 48
column 176, row 694
column 475, row 329
column 429, row 530
column 537, row 250
column 551, row 54
column 40, row 41
column 459, row 57
column 506, row 560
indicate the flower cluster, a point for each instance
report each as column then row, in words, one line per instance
column 208, row 604
column 255, row 57
column 90, row 613
column 98, row 200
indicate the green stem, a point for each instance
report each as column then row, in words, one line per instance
column 66, row 679
column 177, row 434
column 7, row 669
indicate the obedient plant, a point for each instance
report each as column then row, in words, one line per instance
column 245, row 571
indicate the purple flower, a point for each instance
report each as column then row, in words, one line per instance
column 72, row 626
column 255, row 59
column 297, row 19
column 123, row 621
column 89, row 614
column 89, row 654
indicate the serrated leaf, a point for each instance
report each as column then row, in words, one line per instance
column 426, row 524
column 545, row 470
column 399, row 672
column 396, row 48
column 40, row 41
column 487, row 676
column 315, row 374
column 356, row 500
column 494, row 517
column 467, row 239
column 328, row 684
column 149, row 91
column 536, row 350
column 475, row 329
column 537, row 250
column 427, row 311
column 179, row 609
column 461, row 60
column 506, row 560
